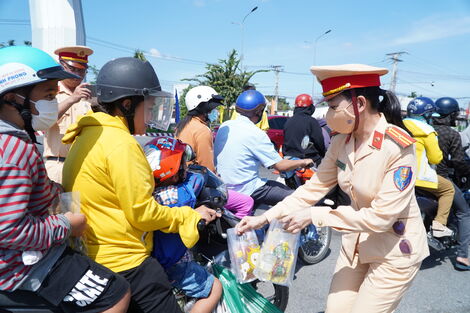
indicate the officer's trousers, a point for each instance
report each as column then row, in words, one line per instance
column 367, row 288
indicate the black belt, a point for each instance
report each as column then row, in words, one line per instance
column 52, row 158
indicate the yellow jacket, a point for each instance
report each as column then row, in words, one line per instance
column 263, row 124
column 427, row 151
column 109, row 169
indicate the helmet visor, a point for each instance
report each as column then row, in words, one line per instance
column 158, row 110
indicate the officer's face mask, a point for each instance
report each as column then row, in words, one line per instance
column 213, row 115
column 48, row 113
column 341, row 120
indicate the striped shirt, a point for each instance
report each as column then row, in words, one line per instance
column 26, row 193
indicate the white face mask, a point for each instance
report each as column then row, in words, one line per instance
column 48, row 114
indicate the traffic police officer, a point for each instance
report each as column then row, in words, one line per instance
column 74, row 101
column 374, row 162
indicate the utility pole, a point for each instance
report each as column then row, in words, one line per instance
column 394, row 56
column 276, row 69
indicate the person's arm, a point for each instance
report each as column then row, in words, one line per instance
column 80, row 92
column 325, row 179
column 204, row 148
column 431, row 145
column 134, row 184
column 288, row 165
column 19, row 229
column 388, row 205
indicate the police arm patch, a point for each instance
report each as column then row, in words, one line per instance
column 402, row 177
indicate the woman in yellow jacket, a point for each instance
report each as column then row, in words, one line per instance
column 373, row 161
column 428, row 152
column 109, row 169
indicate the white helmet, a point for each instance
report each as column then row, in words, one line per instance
column 200, row 94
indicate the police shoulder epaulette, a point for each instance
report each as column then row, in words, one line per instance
column 402, row 138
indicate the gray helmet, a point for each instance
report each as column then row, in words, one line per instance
column 126, row 77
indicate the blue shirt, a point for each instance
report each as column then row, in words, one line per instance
column 240, row 148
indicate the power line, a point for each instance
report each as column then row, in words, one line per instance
column 394, row 56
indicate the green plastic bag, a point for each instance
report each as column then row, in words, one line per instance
column 240, row 298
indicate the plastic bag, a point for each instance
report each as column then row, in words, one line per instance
column 244, row 253
column 278, row 256
column 70, row 202
column 240, row 298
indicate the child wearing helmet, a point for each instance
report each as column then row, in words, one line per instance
column 174, row 186
column 419, row 112
column 108, row 167
column 34, row 254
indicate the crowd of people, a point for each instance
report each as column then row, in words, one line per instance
column 138, row 211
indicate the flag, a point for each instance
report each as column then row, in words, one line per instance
column 177, row 108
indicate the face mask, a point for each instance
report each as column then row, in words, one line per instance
column 213, row 115
column 341, row 121
column 48, row 113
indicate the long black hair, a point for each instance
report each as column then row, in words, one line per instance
column 389, row 105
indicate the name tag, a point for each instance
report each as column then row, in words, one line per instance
column 340, row 164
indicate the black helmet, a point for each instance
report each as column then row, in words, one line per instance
column 446, row 105
column 126, row 77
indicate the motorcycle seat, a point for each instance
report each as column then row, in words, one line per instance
column 24, row 301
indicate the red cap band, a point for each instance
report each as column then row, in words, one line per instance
column 354, row 81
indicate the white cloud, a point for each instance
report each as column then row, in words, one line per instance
column 435, row 28
column 155, row 53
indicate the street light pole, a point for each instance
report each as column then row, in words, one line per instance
column 242, row 27
column 315, row 56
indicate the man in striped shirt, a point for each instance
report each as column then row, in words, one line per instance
column 33, row 251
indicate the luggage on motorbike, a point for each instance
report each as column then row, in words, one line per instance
column 278, row 256
column 244, row 252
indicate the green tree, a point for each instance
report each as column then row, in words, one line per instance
column 227, row 78
column 139, row 54
column 94, row 71
column 282, row 104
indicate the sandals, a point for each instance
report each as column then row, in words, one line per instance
column 459, row 266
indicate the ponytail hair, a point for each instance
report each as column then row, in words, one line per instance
column 389, row 105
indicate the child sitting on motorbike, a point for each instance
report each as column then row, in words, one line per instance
column 174, row 186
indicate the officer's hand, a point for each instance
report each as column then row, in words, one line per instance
column 81, row 92
column 297, row 220
column 207, row 214
column 77, row 223
column 251, row 222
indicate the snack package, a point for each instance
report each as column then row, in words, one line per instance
column 244, row 252
column 278, row 255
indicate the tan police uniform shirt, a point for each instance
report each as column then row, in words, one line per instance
column 199, row 137
column 379, row 179
column 53, row 146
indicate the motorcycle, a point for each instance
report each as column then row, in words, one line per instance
column 212, row 246
column 428, row 205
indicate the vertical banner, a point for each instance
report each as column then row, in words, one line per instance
column 56, row 23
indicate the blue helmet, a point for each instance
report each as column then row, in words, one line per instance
column 421, row 106
column 447, row 105
column 250, row 102
column 23, row 66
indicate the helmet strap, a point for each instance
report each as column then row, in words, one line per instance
column 129, row 113
column 25, row 112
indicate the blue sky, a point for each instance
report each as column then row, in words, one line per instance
column 436, row 35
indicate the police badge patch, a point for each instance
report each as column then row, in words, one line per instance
column 402, row 177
